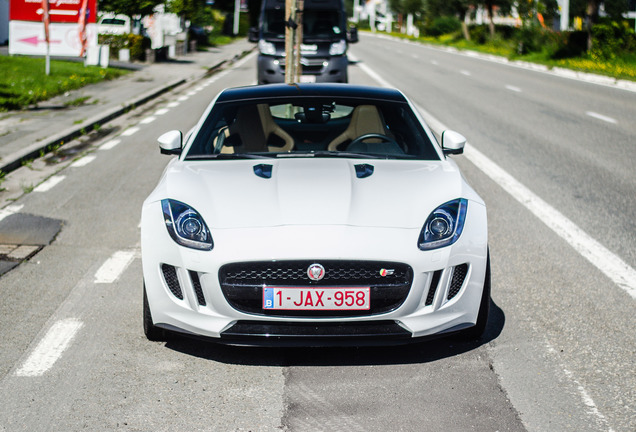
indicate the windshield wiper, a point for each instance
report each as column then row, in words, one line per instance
column 334, row 154
column 231, row 156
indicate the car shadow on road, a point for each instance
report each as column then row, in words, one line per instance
column 421, row 352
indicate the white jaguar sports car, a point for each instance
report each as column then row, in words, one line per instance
column 313, row 214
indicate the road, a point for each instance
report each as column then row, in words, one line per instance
column 559, row 350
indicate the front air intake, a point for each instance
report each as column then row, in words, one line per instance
column 170, row 276
column 459, row 274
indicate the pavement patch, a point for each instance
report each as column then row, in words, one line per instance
column 24, row 235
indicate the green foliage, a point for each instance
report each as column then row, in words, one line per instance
column 137, row 45
column 611, row 40
column 530, row 38
column 23, row 81
column 443, row 25
column 127, row 7
column 564, row 45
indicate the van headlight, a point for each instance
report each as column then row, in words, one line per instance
column 338, row 48
column 266, row 48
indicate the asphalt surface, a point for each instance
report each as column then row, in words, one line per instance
column 559, row 347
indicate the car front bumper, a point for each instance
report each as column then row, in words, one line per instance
column 185, row 294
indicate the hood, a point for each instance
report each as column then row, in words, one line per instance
column 313, row 191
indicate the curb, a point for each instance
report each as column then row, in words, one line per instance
column 37, row 150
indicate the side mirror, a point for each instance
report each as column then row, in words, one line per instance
column 252, row 35
column 453, row 142
column 352, row 35
column 171, row 142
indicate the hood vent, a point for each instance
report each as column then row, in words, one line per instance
column 263, row 171
column 364, row 170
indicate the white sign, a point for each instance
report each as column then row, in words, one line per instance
column 27, row 38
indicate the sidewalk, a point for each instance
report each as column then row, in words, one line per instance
column 26, row 134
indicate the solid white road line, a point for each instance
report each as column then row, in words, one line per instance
column 9, row 210
column 130, row 131
column 49, row 184
column 109, row 144
column 50, row 348
column 610, row 264
column 83, row 161
column 114, row 266
column 599, row 256
column 601, row 117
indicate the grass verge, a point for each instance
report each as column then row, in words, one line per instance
column 618, row 67
column 23, row 81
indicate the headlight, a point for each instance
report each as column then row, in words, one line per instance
column 266, row 48
column 185, row 225
column 338, row 48
column 444, row 226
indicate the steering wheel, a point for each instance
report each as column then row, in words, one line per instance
column 372, row 135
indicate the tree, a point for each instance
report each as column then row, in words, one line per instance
column 129, row 8
column 490, row 5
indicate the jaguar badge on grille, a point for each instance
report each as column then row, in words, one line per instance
column 316, row 272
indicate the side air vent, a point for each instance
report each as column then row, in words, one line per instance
column 170, row 276
column 433, row 287
column 196, row 283
column 459, row 274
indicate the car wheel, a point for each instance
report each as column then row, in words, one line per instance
column 478, row 329
column 151, row 331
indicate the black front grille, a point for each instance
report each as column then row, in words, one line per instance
column 170, row 276
column 242, row 283
column 459, row 274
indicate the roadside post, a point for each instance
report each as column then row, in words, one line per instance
column 46, row 20
column 293, row 39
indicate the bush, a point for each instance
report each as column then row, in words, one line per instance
column 479, row 33
column 137, row 45
column 611, row 40
column 564, row 45
column 443, row 25
column 530, row 38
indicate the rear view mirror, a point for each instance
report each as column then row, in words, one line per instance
column 352, row 35
column 171, row 142
column 453, row 142
column 252, row 35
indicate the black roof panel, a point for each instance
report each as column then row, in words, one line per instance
column 310, row 90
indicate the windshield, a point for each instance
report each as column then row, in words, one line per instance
column 317, row 24
column 312, row 127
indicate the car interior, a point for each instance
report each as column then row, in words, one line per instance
column 385, row 129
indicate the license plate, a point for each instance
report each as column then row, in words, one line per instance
column 323, row 298
column 307, row 78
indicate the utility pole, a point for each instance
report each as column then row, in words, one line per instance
column 293, row 39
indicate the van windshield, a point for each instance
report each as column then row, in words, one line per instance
column 317, row 24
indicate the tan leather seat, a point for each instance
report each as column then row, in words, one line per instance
column 254, row 124
column 365, row 119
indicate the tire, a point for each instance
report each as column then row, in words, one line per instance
column 151, row 331
column 477, row 331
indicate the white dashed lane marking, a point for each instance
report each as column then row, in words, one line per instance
column 114, row 266
column 130, row 131
column 601, row 117
column 57, row 339
column 49, row 184
column 109, row 144
column 83, row 161
column 513, row 88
